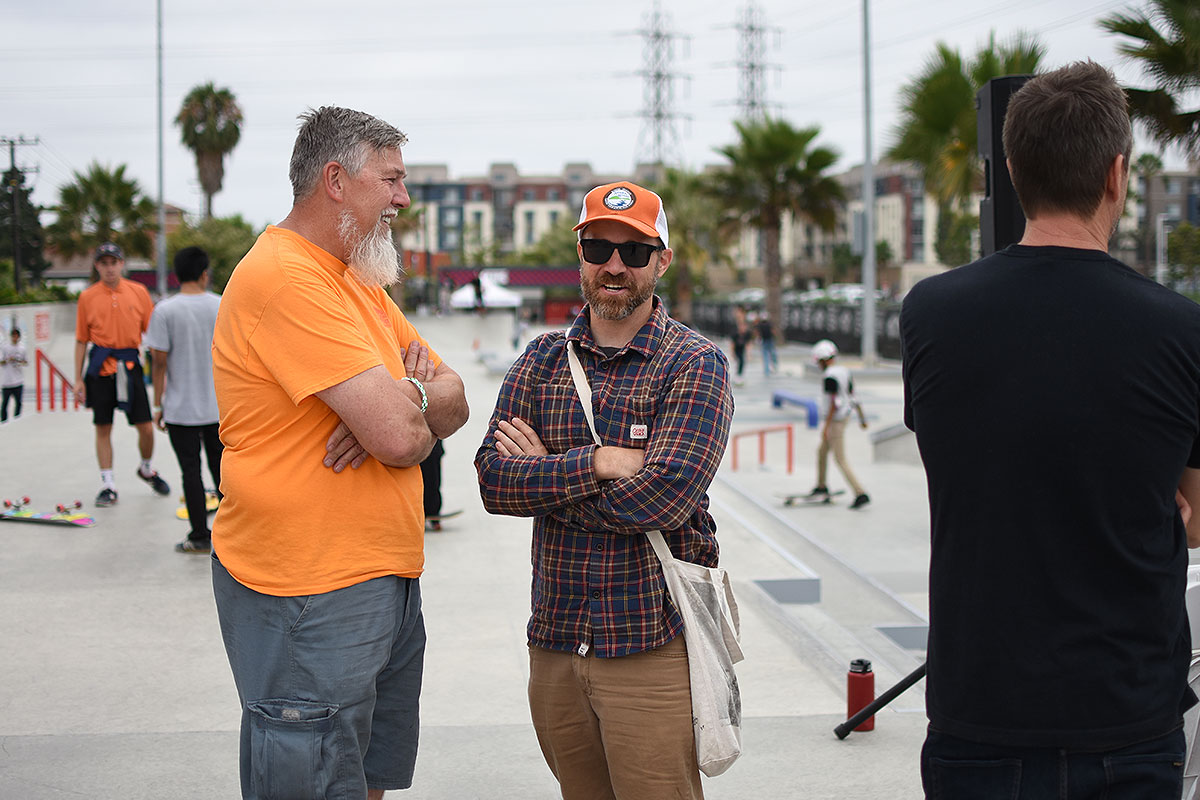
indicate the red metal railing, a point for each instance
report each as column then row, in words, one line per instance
column 761, row 433
column 53, row 372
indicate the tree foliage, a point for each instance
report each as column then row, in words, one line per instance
column 1183, row 255
column 30, row 235
column 774, row 168
column 953, row 245
column 1164, row 40
column 938, row 127
column 701, row 226
column 210, row 125
column 225, row 239
column 556, row 248
column 103, row 205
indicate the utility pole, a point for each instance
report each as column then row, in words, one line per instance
column 659, row 138
column 752, row 50
column 14, row 189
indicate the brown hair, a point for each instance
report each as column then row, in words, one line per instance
column 1062, row 131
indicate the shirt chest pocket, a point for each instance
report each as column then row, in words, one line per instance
column 627, row 420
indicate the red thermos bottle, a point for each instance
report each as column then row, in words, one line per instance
column 860, row 690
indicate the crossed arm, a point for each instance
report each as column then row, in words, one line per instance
column 620, row 490
column 381, row 416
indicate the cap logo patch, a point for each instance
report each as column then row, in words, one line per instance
column 619, row 199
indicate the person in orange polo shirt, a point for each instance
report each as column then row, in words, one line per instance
column 111, row 317
column 329, row 399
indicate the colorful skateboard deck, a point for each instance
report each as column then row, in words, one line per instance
column 805, row 500
column 211, row 501
column 19, row 511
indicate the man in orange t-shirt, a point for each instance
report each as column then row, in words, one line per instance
column 316, row 566
column 112, row 315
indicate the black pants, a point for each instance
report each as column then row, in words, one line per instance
column 186, row 441
column 431, row 472
column 15, row 393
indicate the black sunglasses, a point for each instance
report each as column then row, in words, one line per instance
column 633, row 254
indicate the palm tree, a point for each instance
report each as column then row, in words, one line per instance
column 938, row 127
column 210, row 124
column 1147, row 165
column 1165, row 41
column 102, row 205
column 773, row 168
column 702, row 228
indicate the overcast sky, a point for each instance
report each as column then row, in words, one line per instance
column 539, row 83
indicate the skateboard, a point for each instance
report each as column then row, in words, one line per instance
column 211, row 501
column 805, row 500
column 435, row 523
column 64, row 514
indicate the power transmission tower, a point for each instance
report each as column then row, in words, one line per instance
column 14, row 188
column 659, row 141
column 752, row 51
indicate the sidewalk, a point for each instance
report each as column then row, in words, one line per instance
column 116, row 684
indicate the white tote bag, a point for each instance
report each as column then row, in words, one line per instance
column 711, row 630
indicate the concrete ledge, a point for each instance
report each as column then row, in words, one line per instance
column 793, row 590
column 895, row 444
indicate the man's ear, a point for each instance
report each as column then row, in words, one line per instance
column 1118, row 175
column 333, row 180
column 664, row 260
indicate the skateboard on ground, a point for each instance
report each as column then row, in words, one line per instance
column 211, row 501
column 435, row 523
column 64, row 514
column 805, row 500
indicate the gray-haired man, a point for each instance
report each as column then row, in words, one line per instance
column 316, row 567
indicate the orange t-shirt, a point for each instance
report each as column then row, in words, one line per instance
column 114, row 318
column 293, row 322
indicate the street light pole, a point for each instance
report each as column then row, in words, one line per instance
column 161, row 238
column 868, row 196
column 1160, row 264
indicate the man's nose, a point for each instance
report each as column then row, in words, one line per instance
column 400, row 198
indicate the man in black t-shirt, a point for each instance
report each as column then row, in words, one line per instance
column 1055, row 395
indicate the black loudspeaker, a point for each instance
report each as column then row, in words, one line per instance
column 1001, row 221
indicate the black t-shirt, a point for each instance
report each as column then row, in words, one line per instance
column 1055, row 394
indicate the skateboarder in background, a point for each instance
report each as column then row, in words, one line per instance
column 839, row 388
column 13, row 360
column 185, row 403
column 112, row 315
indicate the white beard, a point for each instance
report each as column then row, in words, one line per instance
column 373, row 259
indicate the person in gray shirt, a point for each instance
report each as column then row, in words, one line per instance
column 185, row 404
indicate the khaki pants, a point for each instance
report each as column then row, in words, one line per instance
column 836, row 442
column 616, row 728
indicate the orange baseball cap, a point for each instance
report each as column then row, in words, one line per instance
column 637, row 207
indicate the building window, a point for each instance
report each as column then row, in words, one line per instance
column 529, row 194
column 477, row 194
column 553, row 194
column 1174, row 186
column 450, row 196
column 529, row 237
column 1174, row 211
column 553, row 218
column 449, row 240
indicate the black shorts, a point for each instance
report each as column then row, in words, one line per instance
column 102, row 398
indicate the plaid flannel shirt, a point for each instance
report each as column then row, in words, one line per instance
column 596, row 581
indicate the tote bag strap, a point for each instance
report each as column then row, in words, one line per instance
column 584, row 390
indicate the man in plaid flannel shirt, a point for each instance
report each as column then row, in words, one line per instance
column 608, row 687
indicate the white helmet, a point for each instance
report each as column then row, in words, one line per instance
column 824, row 350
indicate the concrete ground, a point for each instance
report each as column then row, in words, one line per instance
column 115, row 683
